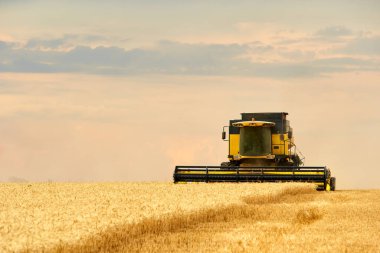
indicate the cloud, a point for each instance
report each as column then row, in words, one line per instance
column 51, row 44
column 180, row 58
column 99, row 56
column 3, row 45
column 364, row 45
column 312, row 68
column 334, row 32
column 169, row 57
column 67, row 41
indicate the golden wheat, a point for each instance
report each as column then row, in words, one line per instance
column 164, row 217
column 342, row 221
column 65, row 216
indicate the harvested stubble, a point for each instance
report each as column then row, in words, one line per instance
column 102, row 216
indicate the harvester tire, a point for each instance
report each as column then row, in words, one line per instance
column 225, row 164
column 228, row 165
column 332, row 184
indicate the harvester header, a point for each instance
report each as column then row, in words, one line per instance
column 261, row 148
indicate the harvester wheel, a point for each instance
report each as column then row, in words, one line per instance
column 228, row 165
column 225, row 164
column 332, row 184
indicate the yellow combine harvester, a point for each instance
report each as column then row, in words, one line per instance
column 261, row 149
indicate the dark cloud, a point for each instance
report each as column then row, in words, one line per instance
column 258, row 47
column 52, row 44
column 172, row 57
column 364, row 45
column 179, row 58
column 334, row 32
column 99, row 56
column 26, row 65
column 167, row 57
column 65, row 41
column 3, row 45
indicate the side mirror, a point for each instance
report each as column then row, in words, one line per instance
column 223, row 135
column 290, row 135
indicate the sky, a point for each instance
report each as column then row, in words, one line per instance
column 126, row 90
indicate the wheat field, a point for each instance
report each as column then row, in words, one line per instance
column 167, row 217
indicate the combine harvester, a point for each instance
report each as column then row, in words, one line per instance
column 261, row 149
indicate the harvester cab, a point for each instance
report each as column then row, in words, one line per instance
column 261, row 148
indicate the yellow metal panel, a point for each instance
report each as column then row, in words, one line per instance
column 253, row 124
column 234, row 144
column 270, row 156
column 283, row 145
